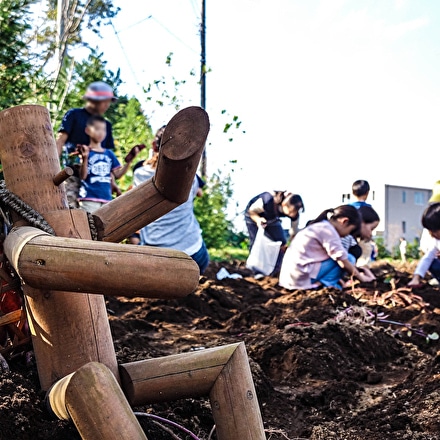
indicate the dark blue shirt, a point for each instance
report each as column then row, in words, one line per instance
column 360, row 203
column 74, row 124
column 271, row 211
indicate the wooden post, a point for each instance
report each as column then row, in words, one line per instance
column 92, row 398
column 62, row 176
column 58, row 263
column 67, row 330
column 223, row 373
column 182, row 145
column 234, row 401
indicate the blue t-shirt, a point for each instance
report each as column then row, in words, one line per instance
column 360, row 203
column 74, row 124
column 97, row 186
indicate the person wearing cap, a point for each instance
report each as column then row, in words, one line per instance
column 72, row 132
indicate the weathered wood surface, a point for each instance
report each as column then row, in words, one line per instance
column 234, row 401
column 223, row 373
column 68, row 264
column 174, row 377
column 67, row 330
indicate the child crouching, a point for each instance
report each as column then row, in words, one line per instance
column 316, row 255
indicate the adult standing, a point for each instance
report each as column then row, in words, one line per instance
column 72, row 132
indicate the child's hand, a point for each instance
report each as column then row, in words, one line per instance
column 134, row 152
column 364, row 278
column 415, row 282
column 262, row 222
column 83, row 150
column 367, row 271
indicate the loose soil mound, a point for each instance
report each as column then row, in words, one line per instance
column 361, row 364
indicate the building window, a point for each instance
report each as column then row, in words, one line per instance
column 403, row 196
column 419, row 198
column 404, row 227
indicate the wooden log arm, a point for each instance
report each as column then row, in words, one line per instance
column 182, row 145
column 68, row 264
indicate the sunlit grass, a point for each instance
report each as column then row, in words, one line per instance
column 229, row 253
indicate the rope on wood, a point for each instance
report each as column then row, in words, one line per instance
column 92, row 226
column 12, row 201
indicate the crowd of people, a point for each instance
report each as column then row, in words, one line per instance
column 330, row 250
column 336, row 243
column 335, row 247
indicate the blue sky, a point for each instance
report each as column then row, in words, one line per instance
column 327, row 91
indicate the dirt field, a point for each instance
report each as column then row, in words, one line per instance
column 326, row 364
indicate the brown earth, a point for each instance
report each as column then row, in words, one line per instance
column 324, row 363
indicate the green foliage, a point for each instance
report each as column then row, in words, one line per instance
column 210, row 210
column 228, row 253
column 382, row 251
column 68, row 94
column 131, row 128
column 412, row 250
column 16, row 69
column 77, row 14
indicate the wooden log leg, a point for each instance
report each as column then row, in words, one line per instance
column 234, row 401
column 223, row 373
column 174, row 377
column 93, row 400
column 182, row 145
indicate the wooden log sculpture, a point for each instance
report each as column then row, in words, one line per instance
column 65, row 273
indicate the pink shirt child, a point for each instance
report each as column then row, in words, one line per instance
column 311, row 246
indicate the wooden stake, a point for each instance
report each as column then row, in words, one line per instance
column 234, row 401
column 93, row 400
column 63, row 175
column 68, row 264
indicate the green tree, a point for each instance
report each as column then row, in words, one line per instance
column 16, row 69
column 210, row 210
column 93, row 68
column 131, row 128
column 65, row 21
column 382, row 251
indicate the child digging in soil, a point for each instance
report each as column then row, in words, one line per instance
column 430, row 261
column 316, row 256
